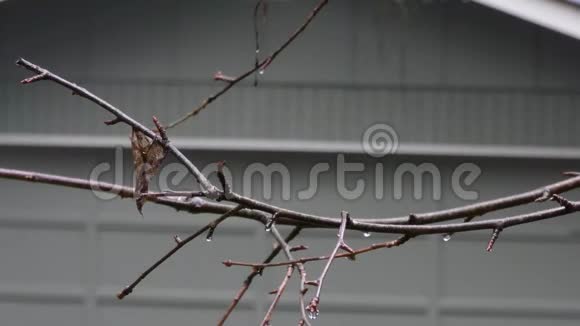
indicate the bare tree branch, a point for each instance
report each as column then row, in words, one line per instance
column 210, row 198
column 245, row 207
column 257, row 67
column 287, row 252
column 259, row 211
column 44, row 74
column 277, row 296
column 388, row 244
column 259, row 4
column 312, row 308
column 257, row 271
column 179, row 244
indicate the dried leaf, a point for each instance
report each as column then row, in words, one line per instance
column 147, row 158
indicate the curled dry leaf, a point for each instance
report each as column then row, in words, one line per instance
column 147, row 157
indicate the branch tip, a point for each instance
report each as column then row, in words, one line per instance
column 312, row 283
column 160, row 129
column 226, row 187
column 571, row 173
column 219, row 76
column 312, row 308
column 493, row 239
column 43, row 75
column 298, row 248
column 112, row 121
column 126, row 291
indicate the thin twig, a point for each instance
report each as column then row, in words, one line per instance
column 226, row 187
column 286, row 248
column 312, row 308
column 248, row 281
column 120, row 115
column 179, row 244
column 277, row 296
column 260, row 66
column 168, row 193
column 214, row 224
column 287, row 217
column 259, row 4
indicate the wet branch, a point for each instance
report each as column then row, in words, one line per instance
column 302, row 272
column 312, row 308
column 257, row 271
column 351, row 254
column 258, row 66
column 179, row 244
column 228, row 203
column 258, row 211
column 120, row 116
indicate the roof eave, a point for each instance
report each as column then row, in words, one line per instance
column 552, row 14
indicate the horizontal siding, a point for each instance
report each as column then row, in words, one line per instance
column 439, row 115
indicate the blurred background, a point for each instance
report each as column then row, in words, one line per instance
column 491, row 83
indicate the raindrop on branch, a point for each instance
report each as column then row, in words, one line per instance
column 447, row 237
column 313, row 314
column 367, row 234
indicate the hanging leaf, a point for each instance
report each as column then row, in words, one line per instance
column 147, row 157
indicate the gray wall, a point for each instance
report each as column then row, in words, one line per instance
column 445, row 72
column 441, row 73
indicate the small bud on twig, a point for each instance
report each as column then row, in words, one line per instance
column 227, row 189
column 312, row 283
column 112, row 121
column 160, row 129
column 219, row 76
column 298, row 248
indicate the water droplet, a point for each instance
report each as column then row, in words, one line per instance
column 261, row 72
column 367, row 234
column 313, row 314
column 197, row 202
column 257, row 51
column 209, row 238
column 268, row 227
column 446, row 237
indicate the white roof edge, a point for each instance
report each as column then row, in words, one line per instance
column 556, row 15
column 297, row 146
